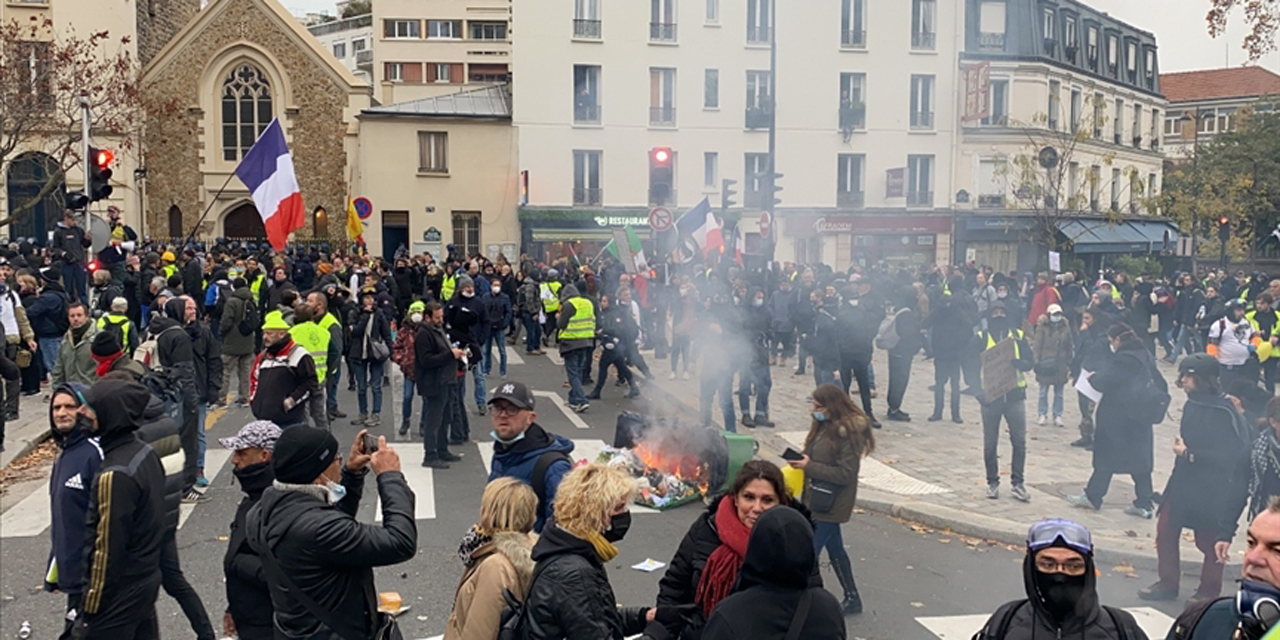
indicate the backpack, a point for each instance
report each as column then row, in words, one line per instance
column 1151, row 403
column 148, row 353
column 1184, row 626
column 539, row 479
column 60, row 320
column 887, row 337
column 251, row 320
column 163, row 385
column 1003, row 617
column 117, row 330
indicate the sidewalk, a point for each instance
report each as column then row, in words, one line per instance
column 29, row 430
column 932, row 472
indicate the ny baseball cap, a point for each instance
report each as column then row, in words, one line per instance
column 515, row 392
column 260, row 434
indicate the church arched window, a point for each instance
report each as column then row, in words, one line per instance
column 246, row 109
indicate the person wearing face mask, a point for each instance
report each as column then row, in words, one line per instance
column 1062, row 594
column 524, row 450
column 498, row 309
column 318, row 341
column 757, row 332
column 1234, row 342
column 249, row 612
column 570, row 597
column 1012, row 303
column 317, row 558
column 1010, row 407
column 617, row 330
column 402, row 354
column 1053, row 345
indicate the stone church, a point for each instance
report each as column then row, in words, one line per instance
column 223, row 77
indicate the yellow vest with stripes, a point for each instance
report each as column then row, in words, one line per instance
column 315, row 339
column 551, row 303
column 256, row 287
column 169, row 270
column 582, row 326
column 1016, row 334
column 447, row 288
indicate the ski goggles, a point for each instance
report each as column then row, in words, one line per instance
column 1047, row 533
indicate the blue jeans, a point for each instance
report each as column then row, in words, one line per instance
column 1057, row 400
column 369, row 374
column 331, row 384
column 759, row 376
column 1014, row 413
column 532, row 332
column 495, row 338
column 826, row 535
column 410, row 390
column 1184, row 342
column 679, row 346
column 202, row 413
column 49, row 352
column 711, row 385
column 477, row 379
column 575, row 363
column 75, row 279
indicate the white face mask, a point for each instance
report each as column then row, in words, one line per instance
column 1114, row 349
column 468, row 294
column 497, row 290
column 336, row 491
column 416, row 318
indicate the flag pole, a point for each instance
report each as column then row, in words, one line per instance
column 208, row 208
column 598, row 255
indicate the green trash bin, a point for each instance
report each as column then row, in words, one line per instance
column 741, row 449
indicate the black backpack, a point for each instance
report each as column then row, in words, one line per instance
column 60, row 320
column 164, row 385
column 251, row 320
column 1003, row 617
column 1151, row 402
column 539, row 478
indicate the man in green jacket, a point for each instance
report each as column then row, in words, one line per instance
column 75, row 359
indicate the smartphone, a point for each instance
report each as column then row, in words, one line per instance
column 370, row 443
column 792, row 454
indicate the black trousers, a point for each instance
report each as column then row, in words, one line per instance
column 175, row 584
column 1100, row 483
column 946, row 372
column 857, row 367
column 74, row 601
column 456, row 413
column 12, row 388
column 612, row 358
column 636, row 360
column 435, row 436
column 129, row 614
column 899, row 378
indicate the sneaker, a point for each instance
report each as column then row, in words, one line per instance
column 434, row 463
column 764, row 422
column 684, row 376
column 1158, row 591
column 1145, row 514
column 1042, row 419
column 582, row 407
column 1085, row 442
column 1019, row 492
column 373, row 421
column 202, row 482
column 336, row 414
column 195, row 497
column 1082, row 501
column 361, row 420
column 482, row 409
column 993, row 491
column 672, row 376
column 451, row 457
column 635, row 393
column 244, row 402
column 1057, row 422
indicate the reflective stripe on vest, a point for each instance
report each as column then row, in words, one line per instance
column 1016, row 334
column 582, row 326
column 315, row 339
column 550, row 296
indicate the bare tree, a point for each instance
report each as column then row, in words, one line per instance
column 1262, row 17
column 42, row 76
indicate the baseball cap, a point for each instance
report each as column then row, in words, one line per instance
column 1054, row 308
column 260, row 434
column 515, row 392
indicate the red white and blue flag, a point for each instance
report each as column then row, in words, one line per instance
column 700, row 224
column 267, row 170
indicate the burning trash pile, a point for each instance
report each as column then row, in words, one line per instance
column 674, row 463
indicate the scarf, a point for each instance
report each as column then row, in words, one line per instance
column 77, row 333
column 721, row 572
column 105, row 362
column 1264, row 462
column 604, row 548
column 470, row 542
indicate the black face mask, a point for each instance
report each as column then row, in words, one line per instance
column 618, row 526
column 1060, row 592
column 249, row 473
column 998, row 325
column 83, row 423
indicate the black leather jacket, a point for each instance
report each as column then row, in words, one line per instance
column 570, row 597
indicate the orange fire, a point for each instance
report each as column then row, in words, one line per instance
column 679, row 464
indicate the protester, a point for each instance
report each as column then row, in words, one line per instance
column 48, row 315
column 1053, row 345
column 74, row 361
column 249, row 612
column 951, row 330
column 1062, row 595
column 524, row 450
column 839, row 438
column 207, row 361
column 318, row 342
column 906, row 327
column 496, row 554
column 577, row 326
column 616, row 331
column 283, row 378
column 238, row 339
column 1233, row 341
column 317, row 558
column 67, row 244
column 435, row 376
column 69, row 496
column 498, row 311
column 1010, row 406
column 756, row 378
column 774, row 584
column 402, row 354
column 17, row 333
column 1092, row 350
column 370, row 332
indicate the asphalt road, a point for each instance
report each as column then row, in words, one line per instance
column 917, row 584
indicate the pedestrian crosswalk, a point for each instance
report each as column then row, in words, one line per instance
column 1155, row 623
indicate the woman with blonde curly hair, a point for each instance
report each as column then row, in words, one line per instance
column 496, row 553
column 570, row 597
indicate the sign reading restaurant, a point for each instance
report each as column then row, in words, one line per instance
column 622, row 221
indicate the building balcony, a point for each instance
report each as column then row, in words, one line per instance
column 757, row 118
column 586, row 29
column 853, row 39
column 759, row 35
column 991, row 42
column 662, row 32
column 924, row 41
column 919, row 198
column 586, row 114
column 853, row 118
column 850, row 199
column 1054, row 124
column 662, row 116
column 990, row 201
column 921, row 120
column 588, row 197
column 364, row 59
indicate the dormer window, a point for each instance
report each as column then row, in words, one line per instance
column 1131, row 60
column 1113, row 53
column 1050, row 24
column 1091, row 46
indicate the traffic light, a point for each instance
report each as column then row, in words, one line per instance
column 727, row 193
column 99, row 182
column 77, row 201
column 661, row 176
column 769, row 189
column 1224, row 228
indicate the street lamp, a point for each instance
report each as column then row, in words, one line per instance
column 1183, row 121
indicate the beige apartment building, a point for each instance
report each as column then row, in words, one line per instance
column 425, row 49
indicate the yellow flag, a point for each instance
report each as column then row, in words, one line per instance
column 354, row 227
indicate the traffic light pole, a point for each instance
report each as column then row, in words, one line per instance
column 84, row 146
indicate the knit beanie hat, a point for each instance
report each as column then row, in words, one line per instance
column 105, row 343
column 302, row 454
column 465, row 280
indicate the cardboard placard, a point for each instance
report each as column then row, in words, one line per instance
column 999, row 376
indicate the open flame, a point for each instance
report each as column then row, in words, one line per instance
column 683, row 466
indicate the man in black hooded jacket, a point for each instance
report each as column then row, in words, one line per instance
column 126, row 514
column 1062, row 592
column 249, row 610
column 177, row 357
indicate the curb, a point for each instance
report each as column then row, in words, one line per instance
column 1108, row 550
column 30, row 445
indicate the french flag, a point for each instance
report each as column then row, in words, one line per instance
column 700, row 224
column 268, row 172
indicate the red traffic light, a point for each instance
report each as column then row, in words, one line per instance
column 662, row 155
column 103, row 158
column 1224, row 220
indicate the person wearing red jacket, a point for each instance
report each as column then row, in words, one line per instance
column 1046, row 294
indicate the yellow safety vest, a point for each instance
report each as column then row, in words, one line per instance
column 315, row 339
column 550, row 303
column 1016, row 334
column 256, row 287
column 1264, row 349
column 169, row 270
column 446, row 289
column 582, row 326
column 126, row 329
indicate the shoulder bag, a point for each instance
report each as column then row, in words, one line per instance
column 378, row 349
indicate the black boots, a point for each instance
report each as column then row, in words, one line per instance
column 852, row 604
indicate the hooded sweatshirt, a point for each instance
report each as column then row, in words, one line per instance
column 775, row 575
column 518, row 459
column 567, row 311
column 69, row 485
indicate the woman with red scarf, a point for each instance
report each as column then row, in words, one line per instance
column 705, row 568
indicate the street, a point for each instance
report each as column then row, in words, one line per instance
column 917, row 583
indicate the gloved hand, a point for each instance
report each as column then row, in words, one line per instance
column 672, row 614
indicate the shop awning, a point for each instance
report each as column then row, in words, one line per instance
column 1125, row 236
column 604, row 234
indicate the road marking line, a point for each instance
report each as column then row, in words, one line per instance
column 564, row 408
column 420, row 479
column 30, row 517
column 215, row 460
column 1156, row 624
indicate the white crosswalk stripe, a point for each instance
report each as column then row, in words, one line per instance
column 1155, row 623
column 420, row 480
